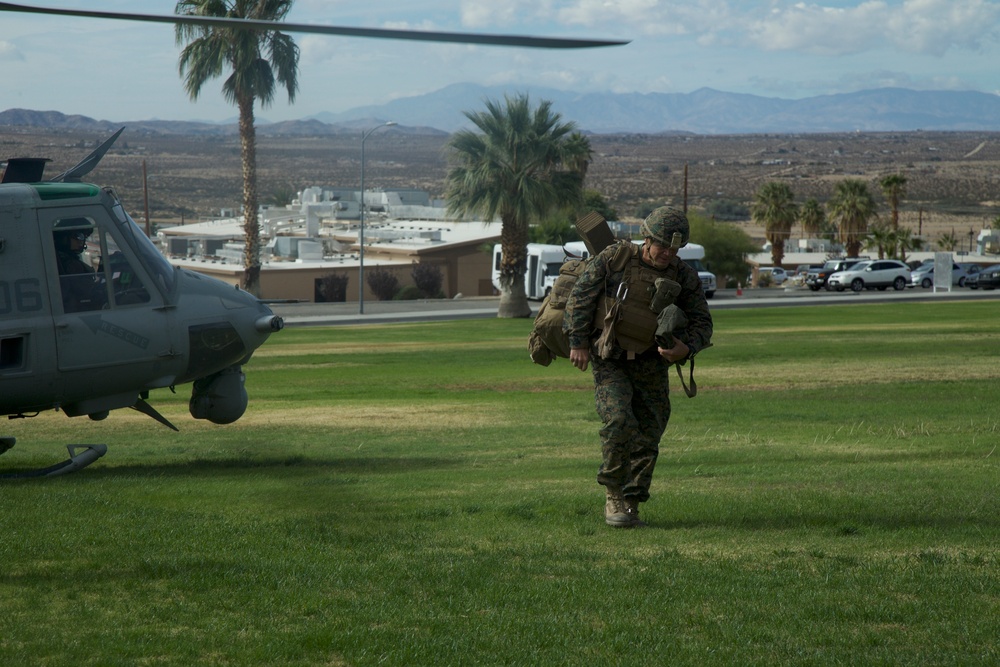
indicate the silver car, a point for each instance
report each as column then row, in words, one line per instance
column 872, row 274
column 923, row 275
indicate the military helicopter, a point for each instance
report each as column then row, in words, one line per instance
column 87, row 331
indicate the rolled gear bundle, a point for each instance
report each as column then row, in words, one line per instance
column 671, row 324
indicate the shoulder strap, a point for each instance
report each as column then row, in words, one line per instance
column 690, row 389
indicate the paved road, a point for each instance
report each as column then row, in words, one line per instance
column 379, row 312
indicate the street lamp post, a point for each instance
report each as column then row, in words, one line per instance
column 361, row 231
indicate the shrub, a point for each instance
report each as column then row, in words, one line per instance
column 427, row 278
column 332, row 288
column 383, row 284
column 408, row 293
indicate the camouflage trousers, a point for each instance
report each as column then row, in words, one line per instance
column 633, row 402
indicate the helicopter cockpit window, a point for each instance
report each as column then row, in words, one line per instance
column 159, row 268
column 81, row 286
column 80, row 244
column 127, row 287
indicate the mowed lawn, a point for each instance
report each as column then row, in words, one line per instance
column 421, row 494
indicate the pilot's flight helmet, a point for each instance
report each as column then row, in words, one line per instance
column 663, row 222
column 69, row 228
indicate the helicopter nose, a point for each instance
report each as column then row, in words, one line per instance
column 269, row 324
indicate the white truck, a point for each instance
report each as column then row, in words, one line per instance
column 694, row 256
column 544, row 261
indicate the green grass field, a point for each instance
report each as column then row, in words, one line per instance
column 422, row 494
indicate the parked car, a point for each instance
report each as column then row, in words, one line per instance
column 988, row 278
column 777, row 274
column 872, row 274
column 803, row 269
column 923, row 275
column 817, row 278
column 971, row 274
column 972, row 280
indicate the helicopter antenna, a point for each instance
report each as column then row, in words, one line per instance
column 253, row 24
column 85, row 166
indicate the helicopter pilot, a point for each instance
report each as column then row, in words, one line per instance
column 77, row 278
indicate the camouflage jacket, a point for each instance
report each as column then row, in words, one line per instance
column 599, row 280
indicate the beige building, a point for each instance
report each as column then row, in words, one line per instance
column 313, row 252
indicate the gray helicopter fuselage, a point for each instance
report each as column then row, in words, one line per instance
column 89, row 340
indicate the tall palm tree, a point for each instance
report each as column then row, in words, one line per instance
column 812, row 218
column 851, row 207
column 774, row 207
column 577, row 147
column 259, row 60
column 521, row 164
column 894, row 188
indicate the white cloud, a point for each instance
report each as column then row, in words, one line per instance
column 829, row 27
column 927, row 27
column 651, row 17
column 935, row 26
column 491, row 14
column 10, row 53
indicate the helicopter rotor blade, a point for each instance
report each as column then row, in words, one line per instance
column 87, row 164
column 379, row 33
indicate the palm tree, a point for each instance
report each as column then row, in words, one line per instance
column 905, row 240
column 259, row 60
column 883, row 238
column 894, row 188
column 948, row 241
column 521, row 164
column 774, row 207
column 577, row 147
column 851, row 207
column 812, row 218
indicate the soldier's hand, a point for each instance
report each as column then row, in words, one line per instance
column 580, row 357
column 678, row 352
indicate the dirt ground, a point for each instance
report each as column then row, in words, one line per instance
column 953, row 177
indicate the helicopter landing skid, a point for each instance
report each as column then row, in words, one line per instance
column 80, row 456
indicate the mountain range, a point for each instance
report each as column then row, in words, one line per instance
column 703, row 111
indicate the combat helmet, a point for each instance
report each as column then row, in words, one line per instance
column 69, row 228
column 663, row 222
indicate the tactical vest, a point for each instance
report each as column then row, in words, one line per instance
column 635, row 323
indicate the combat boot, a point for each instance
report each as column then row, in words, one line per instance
column 615, row 512
column 632, row 510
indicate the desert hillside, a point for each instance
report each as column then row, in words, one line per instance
column 953, row 177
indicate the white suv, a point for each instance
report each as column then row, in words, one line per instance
column 871, row 274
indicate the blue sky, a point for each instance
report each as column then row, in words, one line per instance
column 121, row 71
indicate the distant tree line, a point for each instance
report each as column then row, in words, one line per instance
column 851, row 216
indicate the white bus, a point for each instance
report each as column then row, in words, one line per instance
column 544, row 261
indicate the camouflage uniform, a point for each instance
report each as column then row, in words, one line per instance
column 632, row 395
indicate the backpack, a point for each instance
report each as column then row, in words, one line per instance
column 547, row 339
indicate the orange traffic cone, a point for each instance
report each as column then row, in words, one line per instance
column 739, row 289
